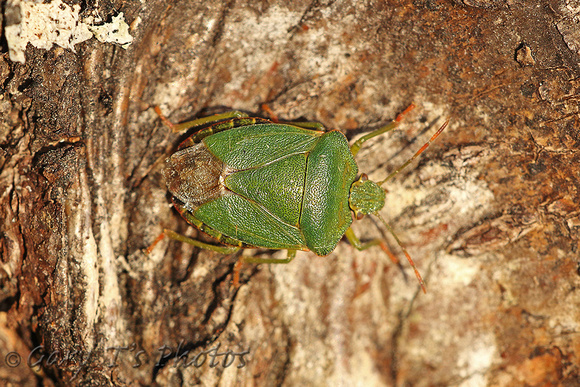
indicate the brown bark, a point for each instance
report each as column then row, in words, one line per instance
column 490, row 212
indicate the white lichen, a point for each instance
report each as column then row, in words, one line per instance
column 46, row 24
column 117, row 31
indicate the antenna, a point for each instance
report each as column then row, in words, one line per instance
column 416, row 154
column 391, row 175
column 417, row 274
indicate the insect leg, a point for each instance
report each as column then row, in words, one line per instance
column 242, row 260
column 181, row 238
column 356, row 243
column 353, row 239
column 312, row 125
column 358, row 143
column 198, row 122
column 289, row 257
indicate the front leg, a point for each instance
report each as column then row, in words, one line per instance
column 353, row 239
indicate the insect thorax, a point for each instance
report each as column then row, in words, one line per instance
column 194, row 175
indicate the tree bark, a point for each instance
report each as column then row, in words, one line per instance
column 490, row 212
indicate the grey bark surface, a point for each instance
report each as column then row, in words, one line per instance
column 490, row 212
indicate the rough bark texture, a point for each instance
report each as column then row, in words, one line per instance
column 490, row 212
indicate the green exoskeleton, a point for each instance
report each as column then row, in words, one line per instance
column 253, row 183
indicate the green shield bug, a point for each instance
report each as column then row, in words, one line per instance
column 253, row 183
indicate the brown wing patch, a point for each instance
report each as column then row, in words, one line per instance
column 194, row 175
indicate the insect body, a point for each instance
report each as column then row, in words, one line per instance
column 250, row 182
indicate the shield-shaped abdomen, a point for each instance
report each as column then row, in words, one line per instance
column 268, row 185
